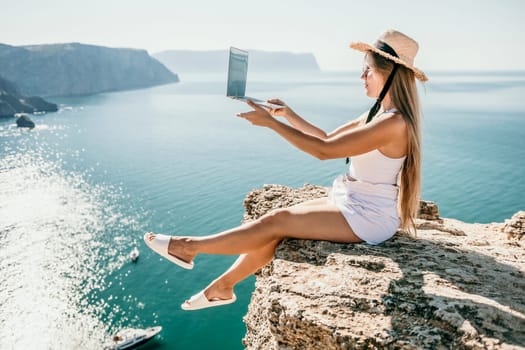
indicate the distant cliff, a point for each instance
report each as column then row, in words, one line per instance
column 183, row 61
column 75, row 69
column 12, row 102
column 455, row 286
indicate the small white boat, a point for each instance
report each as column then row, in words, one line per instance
column 130, row 338
column 134, row 255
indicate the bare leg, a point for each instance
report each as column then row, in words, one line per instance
column 257, row 240
column 244, row 266
column 316, row 221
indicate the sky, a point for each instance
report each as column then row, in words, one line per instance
column 452, row 34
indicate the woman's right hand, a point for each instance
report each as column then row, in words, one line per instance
column 283, row 111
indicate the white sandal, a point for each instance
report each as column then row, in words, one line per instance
column 199, row 301
column 160, row 246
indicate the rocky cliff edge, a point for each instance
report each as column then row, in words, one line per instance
column 455, row 286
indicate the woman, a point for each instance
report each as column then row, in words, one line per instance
column 377, row 196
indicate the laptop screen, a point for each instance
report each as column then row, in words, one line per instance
column 237, row 72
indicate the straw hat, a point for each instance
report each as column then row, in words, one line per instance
column 404, row 46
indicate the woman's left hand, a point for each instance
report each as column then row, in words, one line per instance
column 259, row 116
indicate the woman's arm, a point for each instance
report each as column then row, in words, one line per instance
column 347, row 143
column 302, row 125
column 295, row 120
column 348, row 126
column 306, row 127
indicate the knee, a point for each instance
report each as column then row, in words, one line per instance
column 276, row 221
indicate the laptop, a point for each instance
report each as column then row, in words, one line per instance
column 237, row 74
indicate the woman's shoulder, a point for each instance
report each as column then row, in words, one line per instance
column 394, row 128
column 393, row 121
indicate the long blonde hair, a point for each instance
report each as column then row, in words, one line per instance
column 404, row 96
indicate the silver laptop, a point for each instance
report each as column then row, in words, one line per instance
column 237, row 74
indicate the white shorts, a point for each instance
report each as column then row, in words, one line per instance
column 369, row 209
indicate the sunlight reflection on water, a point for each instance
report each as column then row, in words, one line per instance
column 54, row 254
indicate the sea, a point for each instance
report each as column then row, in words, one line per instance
column 78, row 192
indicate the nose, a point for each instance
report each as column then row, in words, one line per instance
column 364, row 73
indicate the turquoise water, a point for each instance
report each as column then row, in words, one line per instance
column 78, row 192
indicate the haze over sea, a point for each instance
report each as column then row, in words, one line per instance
column 78, row 192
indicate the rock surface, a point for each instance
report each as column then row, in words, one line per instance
column 455, row 286
column 25, row 122
column 515, row 227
